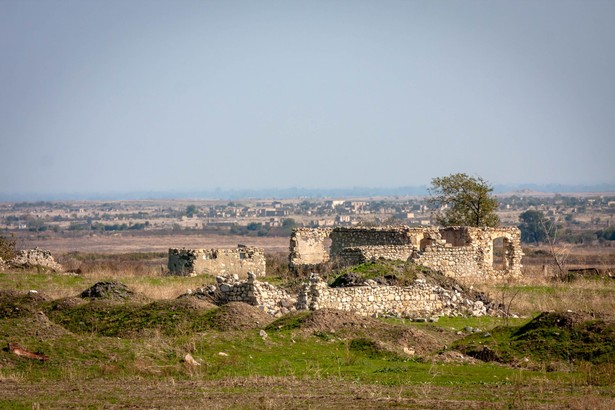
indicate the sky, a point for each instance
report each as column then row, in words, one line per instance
column 148, row 95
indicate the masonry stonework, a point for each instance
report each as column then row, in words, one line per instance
column 240, row 261
column 420, row 300
column 309, row 246
column 460, row 252
column 267, row 297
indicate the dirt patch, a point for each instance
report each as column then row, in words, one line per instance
column 20, row 304
column 451, row 356
column 239, row 316
column 186, row 303
column 401, row 339
column 331, row 320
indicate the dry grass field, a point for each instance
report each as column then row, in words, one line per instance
column 143, row 242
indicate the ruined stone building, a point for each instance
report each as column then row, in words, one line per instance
column 240, row 261
column 459, row 252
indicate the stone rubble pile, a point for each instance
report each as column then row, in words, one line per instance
column 268, row 298
column 35, row 258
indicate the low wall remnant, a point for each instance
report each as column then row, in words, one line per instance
column 240, row 261
column 420, row 300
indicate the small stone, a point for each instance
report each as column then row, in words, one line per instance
column 190, row 360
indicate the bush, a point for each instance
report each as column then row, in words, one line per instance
column 7, row 248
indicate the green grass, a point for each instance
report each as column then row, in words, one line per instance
column 122, row 345
column 404, row 272
column 551, row 337
column 39, row 281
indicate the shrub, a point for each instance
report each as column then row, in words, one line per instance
column 7, row 248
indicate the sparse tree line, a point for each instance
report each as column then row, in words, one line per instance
column 457, row 199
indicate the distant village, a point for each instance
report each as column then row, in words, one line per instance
column 582, row 217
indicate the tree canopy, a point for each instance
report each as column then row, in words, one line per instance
column 534, row 226
column 464, row 200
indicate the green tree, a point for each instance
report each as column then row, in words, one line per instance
column 534, row 226
column 288, row 225
column 190, row 210
column 465, row 200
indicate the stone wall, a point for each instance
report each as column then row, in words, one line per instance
column 309, row 246
column 267, row 297
column 462, row 252
column 342, row 238
column 240, row 261
column 419, row 300
column 473, row 257
column 361, row 254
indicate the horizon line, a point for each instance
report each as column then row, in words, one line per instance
column 294, row 192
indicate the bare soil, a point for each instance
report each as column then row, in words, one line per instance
column 240, row 316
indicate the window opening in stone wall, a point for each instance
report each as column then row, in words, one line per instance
column 455, row 237
column 424, row 243
column 500, row 253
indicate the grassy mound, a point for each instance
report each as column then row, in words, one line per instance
column 392, row 337
column 384, row 272
column 170, row 318
column 552, row 337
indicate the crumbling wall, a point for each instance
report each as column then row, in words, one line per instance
column 342, row 238
column 465, row 252
column 361, row 254
column 419, row 300
column 35, row 258
column 267, row 297
column 309, row 246
column 461, row 252
column 240, row 261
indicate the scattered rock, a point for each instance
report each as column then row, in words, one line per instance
column 190, row 360
column 109, row 291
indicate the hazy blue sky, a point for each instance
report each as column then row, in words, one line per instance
column 99, row 96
